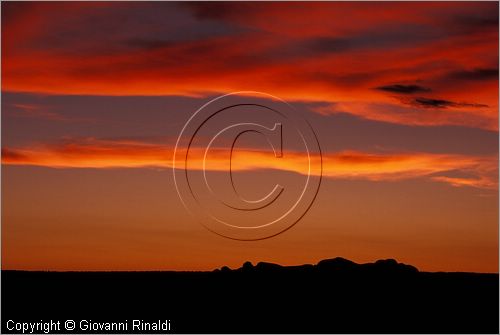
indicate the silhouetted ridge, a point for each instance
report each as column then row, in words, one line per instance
column 391, row 265
column 336, row 264
column 264, row 266
column 333, row 265
column 333, row 296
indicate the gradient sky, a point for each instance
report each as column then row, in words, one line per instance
column 403, row 97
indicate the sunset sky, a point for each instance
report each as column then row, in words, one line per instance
column 403, row 97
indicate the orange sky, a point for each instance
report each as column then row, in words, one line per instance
column 403, row 97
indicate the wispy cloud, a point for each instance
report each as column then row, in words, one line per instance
column 423, row 112
column 96, row 153
column 33, row 111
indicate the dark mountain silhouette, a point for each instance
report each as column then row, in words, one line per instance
column 335, row 295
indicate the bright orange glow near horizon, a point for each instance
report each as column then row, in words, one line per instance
column 403, row 97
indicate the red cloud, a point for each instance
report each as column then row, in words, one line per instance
column 333, row 52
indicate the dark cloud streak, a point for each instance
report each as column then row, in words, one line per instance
column 475, row 74
column 440, row 103
column 403, row 89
